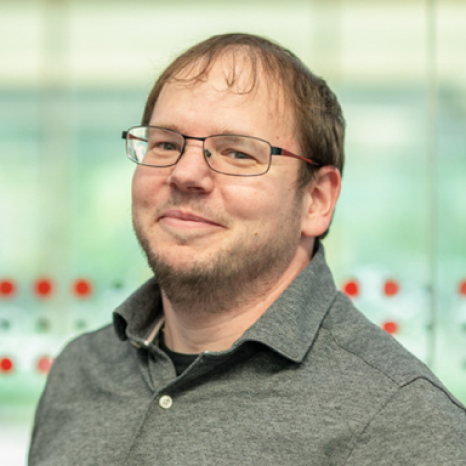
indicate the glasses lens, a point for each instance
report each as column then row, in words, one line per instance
column 237, row 155
column 154, row 146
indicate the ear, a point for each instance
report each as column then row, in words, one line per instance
column 320, row 197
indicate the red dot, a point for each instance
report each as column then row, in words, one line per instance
column 43, row 287
column 351, row 288
column 391, row 288
column 462, row 288
column 44, row 364
column 82, row 288
column 390, row 327
column 6, row 365
column 7, row 288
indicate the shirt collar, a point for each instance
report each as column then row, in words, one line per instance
column 292, row 322
column 289, row 326
column 140, row 316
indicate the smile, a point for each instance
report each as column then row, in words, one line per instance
column 179, row 219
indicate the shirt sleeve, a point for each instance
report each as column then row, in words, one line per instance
column 420, row 426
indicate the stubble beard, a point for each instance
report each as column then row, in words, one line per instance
column 238, row 274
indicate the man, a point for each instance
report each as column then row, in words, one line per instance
column 241, row 351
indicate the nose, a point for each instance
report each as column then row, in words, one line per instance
column 191, row 173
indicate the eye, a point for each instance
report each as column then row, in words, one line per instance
column 238, row 150
column 238, row 155
column 166, row 145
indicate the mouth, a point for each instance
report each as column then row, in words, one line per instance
column 184, row 219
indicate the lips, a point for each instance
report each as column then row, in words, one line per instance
column 182, row 216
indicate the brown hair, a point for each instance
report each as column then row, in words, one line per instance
column 319, row 121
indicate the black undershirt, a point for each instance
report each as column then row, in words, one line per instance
column 181, row 361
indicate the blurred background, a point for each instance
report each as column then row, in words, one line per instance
column 75, row 73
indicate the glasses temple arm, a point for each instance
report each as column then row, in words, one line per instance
column 126, row 135
column 286, row 153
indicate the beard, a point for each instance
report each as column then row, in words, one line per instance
column 238, row 273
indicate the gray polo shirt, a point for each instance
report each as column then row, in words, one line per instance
column 312, row 382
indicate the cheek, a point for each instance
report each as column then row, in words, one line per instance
column 144, row 187
column 138, row 195
column 137, row 181
column 257, row 203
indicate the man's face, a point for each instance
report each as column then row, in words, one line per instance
column 209, row 227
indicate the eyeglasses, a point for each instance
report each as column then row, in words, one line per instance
column 229, row 154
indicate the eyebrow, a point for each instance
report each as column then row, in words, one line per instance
column 222, row 131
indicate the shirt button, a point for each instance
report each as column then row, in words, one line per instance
column 165, row 402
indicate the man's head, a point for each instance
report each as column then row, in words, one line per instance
column 211, row 236
column 318, row 120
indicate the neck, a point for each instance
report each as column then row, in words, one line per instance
column 200, row 327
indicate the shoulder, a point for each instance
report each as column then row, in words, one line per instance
column 371, row 347
column 420, row 425
column 375, row 360
column 100, row 350
column 102, row 342
column 85, row 365
column 93, row 373
column 403, row 413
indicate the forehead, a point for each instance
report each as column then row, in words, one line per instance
column 232, row 80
